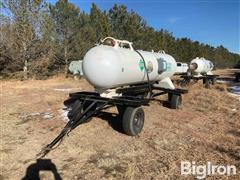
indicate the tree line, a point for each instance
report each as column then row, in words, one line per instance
column 42, row 39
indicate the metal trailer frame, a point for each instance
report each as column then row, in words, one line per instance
column 237, row 76
column 207, row 79
column 85, row 105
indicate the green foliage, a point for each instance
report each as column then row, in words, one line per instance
column 99, row 21
column 21, row 33
column 65, row 17
column 48, row 37
column 126, row 25
column 237, row 65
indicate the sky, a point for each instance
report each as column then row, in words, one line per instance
column 213, row 22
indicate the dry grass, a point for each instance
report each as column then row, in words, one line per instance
column 210, row 100
column 206, row 128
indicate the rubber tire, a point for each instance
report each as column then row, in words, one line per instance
column 176, row 101
column 75, row 112
column 169, row 97
column 214, row 80
column 128, row 120
column 237, row 79
column 207, row 83
column 121, row 109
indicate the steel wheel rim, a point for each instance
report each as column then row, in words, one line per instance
column 137, row 121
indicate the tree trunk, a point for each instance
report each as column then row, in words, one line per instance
column 66, row 62
column 25, row 69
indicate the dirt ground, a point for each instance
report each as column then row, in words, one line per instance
column 206, row 128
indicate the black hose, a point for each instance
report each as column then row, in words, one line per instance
column 149, row 84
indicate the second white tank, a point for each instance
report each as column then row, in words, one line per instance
column 201, row 65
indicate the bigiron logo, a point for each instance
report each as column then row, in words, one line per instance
column 202, row 171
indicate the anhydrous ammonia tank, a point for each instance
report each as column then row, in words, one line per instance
column 115, row 63
column 182, row 68
column 75, row 67
column 201, row 66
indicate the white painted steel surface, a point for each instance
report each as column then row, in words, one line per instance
column 201, row 65
column 107, row 66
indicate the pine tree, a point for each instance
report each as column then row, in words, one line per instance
column 65, row 16
column 99, row 21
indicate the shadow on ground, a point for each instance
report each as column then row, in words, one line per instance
column 33, row 171
column 113, row 119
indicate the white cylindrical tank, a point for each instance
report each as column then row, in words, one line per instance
column 75, row 67
column 116, row 63
column 181, row 68
column 201, row 65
